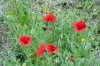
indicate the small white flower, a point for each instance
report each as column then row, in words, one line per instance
column 94, row 9
column 24, row 64
column 57, row 60
column 58, row 9
column 71, row 1
column 33, row 12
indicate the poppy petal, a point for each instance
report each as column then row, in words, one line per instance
column 80, row 26
column 50, row 18
column 25, row 40
column 52, row 49
column 53, row 18
column 41, row 50
column 46, row 19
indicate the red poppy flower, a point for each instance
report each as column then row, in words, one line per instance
column 50, row 18
column 41, row 50
column 52, row 49
column 71, row 58
column 25, row 40
column 80, row 26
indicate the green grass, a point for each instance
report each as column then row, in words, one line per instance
column 23, row 19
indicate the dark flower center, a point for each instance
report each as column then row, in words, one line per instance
column 53, row 49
